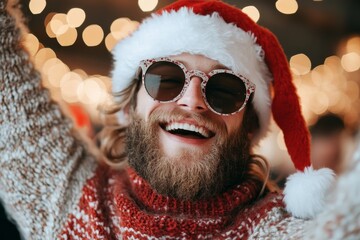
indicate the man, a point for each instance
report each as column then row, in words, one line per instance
column 192, row 97
column 327, row 142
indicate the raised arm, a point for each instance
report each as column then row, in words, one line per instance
column 43, row 165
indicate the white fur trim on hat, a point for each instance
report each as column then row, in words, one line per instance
column 305, row 192
column 183, row 31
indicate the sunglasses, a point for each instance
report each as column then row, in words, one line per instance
column 224, row 92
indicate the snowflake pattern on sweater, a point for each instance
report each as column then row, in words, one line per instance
column 120, row 204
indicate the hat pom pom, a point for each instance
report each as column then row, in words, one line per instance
column 305, row 192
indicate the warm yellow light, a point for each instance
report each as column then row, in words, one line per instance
column 48, row 64
column 340, row 105
column 119, row 25
column 252, row 12
column 110, row 42
column 42, row 56
column 80, row 72
column 68, row 38
column 31, row 43
column 93, row 35
column 321, row 103
column 353, row 45
column 37, row 6
column 334, row 63
column 47, row 20
column 107, row 81
column 102, row 90
column 75, row 17
column 322, row 75
column 334, row 99
column 147, row 5
column 59, row 24
column 122, row 27
column 69, row 84
column 350, row 62
column 89, row 92
column 287, row 6
column 56, row 72
column 49, row 32
column 301, row 63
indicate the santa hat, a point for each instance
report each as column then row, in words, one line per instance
column 224, row 33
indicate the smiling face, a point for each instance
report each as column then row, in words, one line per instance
column 183, row 148
column 181, row 133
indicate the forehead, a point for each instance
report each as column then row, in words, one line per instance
column 198, row 62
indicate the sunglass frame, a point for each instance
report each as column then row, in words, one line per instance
column 250, row 86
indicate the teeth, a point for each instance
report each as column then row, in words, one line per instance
column 187, row 127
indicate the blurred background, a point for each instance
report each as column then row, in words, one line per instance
column 71, row 41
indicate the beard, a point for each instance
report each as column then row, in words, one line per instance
column 192, row 174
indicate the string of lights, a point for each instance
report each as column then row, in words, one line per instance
column 330, row 87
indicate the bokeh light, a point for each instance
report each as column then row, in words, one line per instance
column 42, row 56
column 119, row 29
column 122, row 27
column 90, row 92
column 147, row 5
column 252, row 12
column 334, row 63
column 350, row 62
column 31, row 43
column 75, row 17
column 58, row 24
column 48, row 29
column 300, row 64
column 287, row 6
column 68, row 38
column 69, row 84
column 80, row 72
column 110, row 42
column 37, row 6
column 93, row 35
column 56, row 72
column 332, row 86
column 353, row 44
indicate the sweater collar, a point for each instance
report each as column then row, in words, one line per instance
column 221, row 205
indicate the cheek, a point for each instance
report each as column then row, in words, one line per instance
column 145, row 104
column 233, row 122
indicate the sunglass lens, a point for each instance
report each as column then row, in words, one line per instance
column 164, row 80
column 225, row 93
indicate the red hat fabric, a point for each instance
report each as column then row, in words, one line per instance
column 285, row 104
column 226, row 34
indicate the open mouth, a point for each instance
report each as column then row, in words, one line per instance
column 187, row 130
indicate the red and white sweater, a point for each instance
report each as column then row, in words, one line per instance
column 54, row 187
column 120, row 204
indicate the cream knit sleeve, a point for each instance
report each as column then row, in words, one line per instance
column 43, row 166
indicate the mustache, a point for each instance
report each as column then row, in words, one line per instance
column 209, row 174
column 163, row 116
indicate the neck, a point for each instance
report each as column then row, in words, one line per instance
column 221, row 205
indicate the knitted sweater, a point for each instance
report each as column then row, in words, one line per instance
column 54, row 188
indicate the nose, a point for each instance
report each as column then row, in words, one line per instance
column 192, row 99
